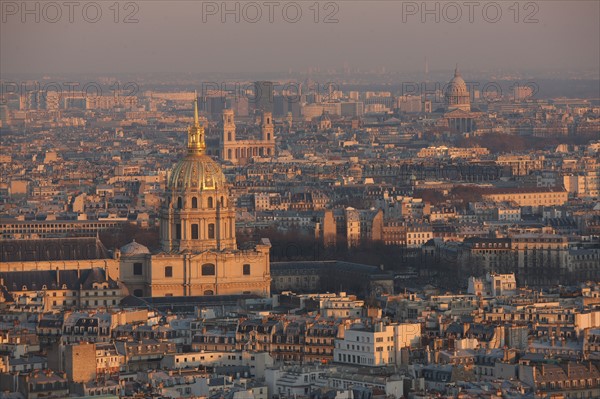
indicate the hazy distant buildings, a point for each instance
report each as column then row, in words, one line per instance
column 521, row 93
column 263, row 100
column 409, row 104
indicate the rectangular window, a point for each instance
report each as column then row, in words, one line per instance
column 246, row 270
column 211, row 230
column 195, row 234
column 137, row 269
column 178, row 231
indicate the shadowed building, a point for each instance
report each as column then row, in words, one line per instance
column 331, row 276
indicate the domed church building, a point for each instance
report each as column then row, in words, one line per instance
column 459, row 115
column 199, row 254
column 457, row 95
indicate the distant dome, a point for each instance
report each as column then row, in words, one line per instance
column 196, row 172
column 133, row 249
column 457, row 85
column 457, row 95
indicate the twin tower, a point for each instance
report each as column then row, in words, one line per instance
column 240, row 151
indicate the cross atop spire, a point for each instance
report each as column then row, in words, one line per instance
column 456, row 73
column 196, row 144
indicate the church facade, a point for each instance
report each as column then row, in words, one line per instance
column 199, row 254
column 241, row 151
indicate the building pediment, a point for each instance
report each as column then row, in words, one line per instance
column 459, row 113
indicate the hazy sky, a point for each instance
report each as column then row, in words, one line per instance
column 171, row 36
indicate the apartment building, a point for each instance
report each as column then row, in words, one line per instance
column 376, row 345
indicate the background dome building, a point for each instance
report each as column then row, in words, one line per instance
column 459, row 116
column 457, row 95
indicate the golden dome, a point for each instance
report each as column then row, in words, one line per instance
column 197, row 171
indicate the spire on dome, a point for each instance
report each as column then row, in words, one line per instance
column 196, row 123
column 196, row 144
column 456, row 73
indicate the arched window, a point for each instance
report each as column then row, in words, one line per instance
column 210, row 202
column 211, row 230
column 168, row 271
column 194, row 202
column 229, row 154
column 195, row 234
column 179, row 203
column 209, row 292
column 208, row 269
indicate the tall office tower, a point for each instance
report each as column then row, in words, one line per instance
column 4, row 115
column 263, row 100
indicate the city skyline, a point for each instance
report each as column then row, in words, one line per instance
column 299, row 199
